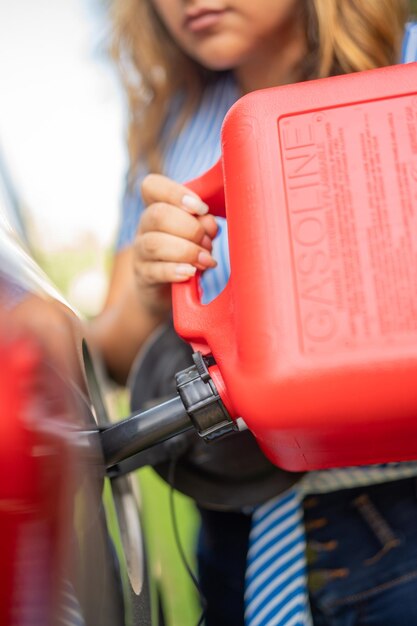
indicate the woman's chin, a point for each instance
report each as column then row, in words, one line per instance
column 220, row 57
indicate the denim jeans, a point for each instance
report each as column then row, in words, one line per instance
column 362, row 555
column 361, row 550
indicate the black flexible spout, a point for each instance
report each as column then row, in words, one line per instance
column 143, row 430
column 198, row 405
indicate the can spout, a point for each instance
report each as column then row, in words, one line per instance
column 197, row 405
column 142, row 430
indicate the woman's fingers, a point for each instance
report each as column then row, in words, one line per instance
column 175, row 234
column 209, row 224
column 159, row 273
column 161, row 217
column 158, row 188
column 158, row 246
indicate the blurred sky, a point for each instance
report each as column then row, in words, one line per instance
column 61, row 128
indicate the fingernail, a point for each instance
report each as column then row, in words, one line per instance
column 194, row 204
column 184, row 269
column 204, row 258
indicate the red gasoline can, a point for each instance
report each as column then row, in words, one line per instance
column 315, row 334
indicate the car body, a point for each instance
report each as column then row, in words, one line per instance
column 70, row 537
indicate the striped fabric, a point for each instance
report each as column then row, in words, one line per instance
column 409, row 51
column 276, row 591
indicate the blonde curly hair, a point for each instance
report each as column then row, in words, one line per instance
column 343, row 36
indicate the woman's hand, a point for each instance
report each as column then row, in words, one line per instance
column 173, row 240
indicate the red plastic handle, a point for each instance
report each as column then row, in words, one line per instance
column 210, row 188
column 191, row 317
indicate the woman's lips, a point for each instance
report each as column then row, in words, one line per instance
column 201, row 20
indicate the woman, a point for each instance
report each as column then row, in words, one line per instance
column 184, row 64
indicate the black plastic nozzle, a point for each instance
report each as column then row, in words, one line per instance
column 142, row 430
column 198, row 405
